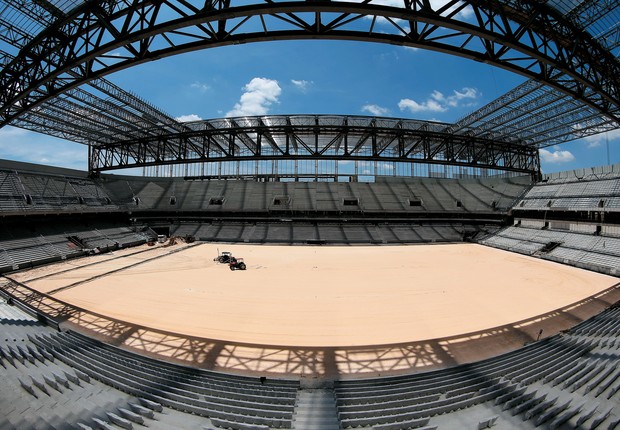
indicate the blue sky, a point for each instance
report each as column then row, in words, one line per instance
column 313, row 77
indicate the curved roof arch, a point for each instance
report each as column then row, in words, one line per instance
column 98, row 38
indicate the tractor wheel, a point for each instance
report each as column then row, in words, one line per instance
column 241, row 266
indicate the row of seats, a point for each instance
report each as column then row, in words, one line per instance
column 58, row 380
column 595, row 190
column 391, row 195
column 53, row 379
column 54, row 243
column 568, row 380
column 598, row 253
column 238, row 399
column 344, row 233
column 26, row 192
column 9, row 312
column 39, row 391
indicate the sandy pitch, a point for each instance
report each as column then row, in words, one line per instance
column 328, row 296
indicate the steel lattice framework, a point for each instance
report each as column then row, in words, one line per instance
column 103, row 112
column 98, row 38
column 569, row 49
column 542, row 115
column 536, row 114
column 312, row 137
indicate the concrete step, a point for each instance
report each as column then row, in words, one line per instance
column 316, row 410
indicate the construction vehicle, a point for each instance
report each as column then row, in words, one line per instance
column 171, row 242
column 236, row 263
column 224, row 257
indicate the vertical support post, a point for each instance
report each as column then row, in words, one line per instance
column 316, row 170
column 92, row 159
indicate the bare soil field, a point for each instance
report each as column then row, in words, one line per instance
column 317, row 296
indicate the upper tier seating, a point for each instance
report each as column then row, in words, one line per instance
column 578, row 190
column 387, row 195
column 28, row 192
column 327, row 233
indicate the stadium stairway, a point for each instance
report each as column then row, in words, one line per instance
column 316, row 410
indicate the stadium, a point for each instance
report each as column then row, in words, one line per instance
column 309, row 271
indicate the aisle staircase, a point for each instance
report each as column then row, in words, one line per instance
column 316, row 410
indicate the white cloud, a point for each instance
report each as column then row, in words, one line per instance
column 438, row 102
column 597, row 140
column 427, row 106
column 375, row 110
column 30, row 147
column 188, row 118
column 455, row 99
column 259, row 95
column 556, row 157
column 199, row 86
column 301, row 84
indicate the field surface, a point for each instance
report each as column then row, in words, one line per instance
column 313, row 296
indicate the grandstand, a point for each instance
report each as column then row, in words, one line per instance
column 565, row 379
column 309, row 181
column 446, row 210
column 569, row 217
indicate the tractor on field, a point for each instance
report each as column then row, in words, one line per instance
column 224, row 257
column 236, row 263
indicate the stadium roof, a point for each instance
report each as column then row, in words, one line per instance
column 75, row 102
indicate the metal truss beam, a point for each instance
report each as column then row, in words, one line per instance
column 537, row 115
column 307, row 137
column 590, row 11
column 124, row 113
column 601, row 18
column 154, row 116
column 524, row 36
column 543, row 116
column 130, row 111
column 87, row 118
column 53, row 127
